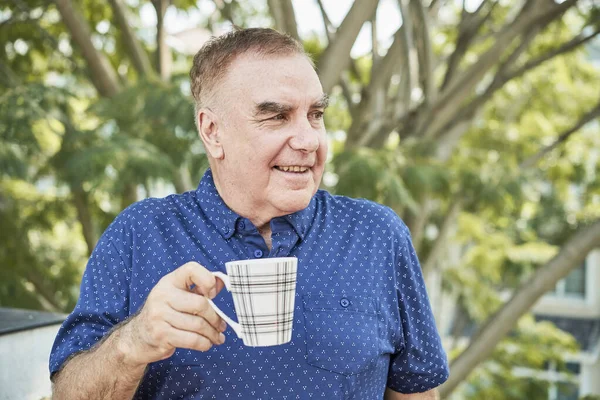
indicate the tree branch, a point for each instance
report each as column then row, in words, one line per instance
column 103, row 75
column 563, row 137
column 46, row 295
column 468, row 27
column 570, row 256
column 336, row 56
column 374, row 44
column 564, row 48
column 424, row 50
column 326, row 21
column 411, row 52
column 458, row 125
column 416, row 223
column 182, row 180
column 401, row 105
column 344, row 81
column 81, row 203
column 139, row 57
column 163, row 52
column 436, row 251
column 381, row 74
column 284, row 16
column 504, row 75
column 452, row 99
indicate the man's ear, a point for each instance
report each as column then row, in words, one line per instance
column 208, row 129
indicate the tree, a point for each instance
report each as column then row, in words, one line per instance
column 474, row 122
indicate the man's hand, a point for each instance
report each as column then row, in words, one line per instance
column 429, row 395
column 176, row 314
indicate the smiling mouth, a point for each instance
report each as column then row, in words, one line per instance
column 292, row 168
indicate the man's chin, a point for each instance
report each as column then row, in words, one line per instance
column 299, row 203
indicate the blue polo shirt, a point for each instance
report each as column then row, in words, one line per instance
column 362, row 319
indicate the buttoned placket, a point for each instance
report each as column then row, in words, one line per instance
column 283, row 238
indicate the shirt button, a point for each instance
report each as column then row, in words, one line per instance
column 344, row 302
column 258, row 253
column 241, row 225
column 226, row 230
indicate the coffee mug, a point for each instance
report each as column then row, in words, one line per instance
column 263, row 292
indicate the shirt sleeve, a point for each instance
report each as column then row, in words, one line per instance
column 104, row 295
column 420, row 364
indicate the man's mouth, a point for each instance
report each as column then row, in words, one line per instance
column 292, row 168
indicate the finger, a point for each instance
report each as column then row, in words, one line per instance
column 193, row 274
column 188, row 340
column 193, row 323
column 192, row 303
column 219, row 285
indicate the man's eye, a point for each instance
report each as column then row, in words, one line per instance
column 279, row 117
column 318, row 115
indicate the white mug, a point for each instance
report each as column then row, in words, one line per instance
column 263, row 293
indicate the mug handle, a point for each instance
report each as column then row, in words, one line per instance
column 234, row 325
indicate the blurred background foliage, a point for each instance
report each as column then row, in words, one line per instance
column 476, row 121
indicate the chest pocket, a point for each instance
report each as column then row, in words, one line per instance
column 341, row 332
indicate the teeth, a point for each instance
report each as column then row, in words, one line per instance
column 293, row 168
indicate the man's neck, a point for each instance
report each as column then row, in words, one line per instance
column 265, row 232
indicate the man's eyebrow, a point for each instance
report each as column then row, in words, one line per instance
column 271, row 107
column 323, row 102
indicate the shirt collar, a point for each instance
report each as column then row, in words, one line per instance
column 222, row 217
column 225, row 219
column 301, row 220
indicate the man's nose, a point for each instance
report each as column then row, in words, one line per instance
column 305, row 138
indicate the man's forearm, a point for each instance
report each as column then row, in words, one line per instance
column 103, row 372
column 429, row 395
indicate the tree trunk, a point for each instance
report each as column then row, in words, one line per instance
column 129, row 195
column 163, row 53
column 136, row 52
column 80, row 200
column 416, row 223
column 336, row 56
column 45, row 295
column 571, row 255
column 284, row 16
column 103, row 74
column 440, row 242
column 182, row 180
column 452, row 99
column 359, row 133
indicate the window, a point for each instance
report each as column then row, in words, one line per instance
column 573, row 285
column 565, row 391
column 563, row 385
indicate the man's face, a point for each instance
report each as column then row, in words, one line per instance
column 272, row 134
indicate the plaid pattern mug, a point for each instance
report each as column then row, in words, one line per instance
column 263, row 292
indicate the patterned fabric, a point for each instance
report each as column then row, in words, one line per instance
column 362, row 319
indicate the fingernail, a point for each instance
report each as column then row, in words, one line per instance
column 212, row 294
column 221, row 338
column 223, row 326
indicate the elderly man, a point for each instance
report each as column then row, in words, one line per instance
column 143, row 327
